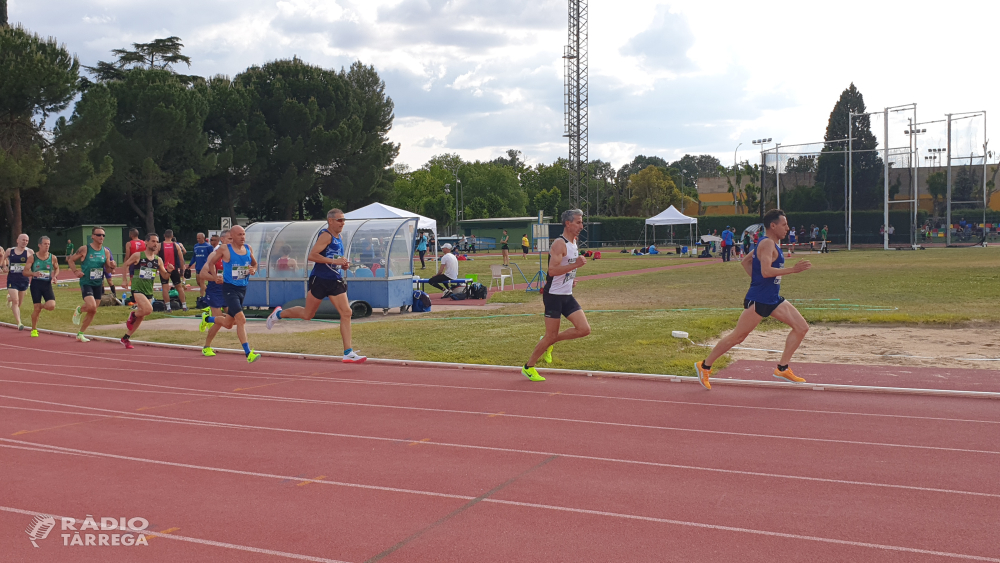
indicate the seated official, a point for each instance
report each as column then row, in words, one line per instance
column 447, row 271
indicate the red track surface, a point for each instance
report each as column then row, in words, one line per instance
column 876, row 376
column 297, row 459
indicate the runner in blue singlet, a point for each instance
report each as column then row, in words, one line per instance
column 238, row 264
column 765, row 266
column 326, row 281
column 17, row 282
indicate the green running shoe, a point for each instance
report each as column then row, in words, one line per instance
column 34, row 333
column 81, row 338
column 547, row 356
column 208, row 352
column 531, row 373
column 252, row 357
column 76, row 315
column 204, row 324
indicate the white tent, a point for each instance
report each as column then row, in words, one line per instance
column 670, row 216
column 382, row 211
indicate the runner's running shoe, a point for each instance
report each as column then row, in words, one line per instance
column 547, row 356
column 81, row 338
column 787, row 375
column 703, row 375
column 127, row 343
column 34, row 333
column 76, row 315
column 252, row 357
column 354, row 358
column 204, row 324
column 273, row 317
column 20, row 327
column 208, row 352
column 531, row 373
column 130, row 322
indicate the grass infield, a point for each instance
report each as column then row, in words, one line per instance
column 632, row 316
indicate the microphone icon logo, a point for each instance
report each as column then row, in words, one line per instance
column 39, row 528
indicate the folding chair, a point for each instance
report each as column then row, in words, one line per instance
column 497, row 270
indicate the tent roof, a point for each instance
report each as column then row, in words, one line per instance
column 382, row 211
column 671, row 216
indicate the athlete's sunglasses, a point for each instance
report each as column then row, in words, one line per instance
column 98, row 234
column 341, row 220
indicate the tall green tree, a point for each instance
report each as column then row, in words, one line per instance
column 233, row 129
column 38, row 77
column 866, row 163
column 158, row 54
column 313, row 123
column 158, row 141
column 487, row 181
column 652, row 192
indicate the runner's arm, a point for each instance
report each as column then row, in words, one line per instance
column 766, row 270
column 253, row 260
column 27, row 266
column 163, row 271
column 71, row 259
column 214, row 257
column 747, row 263
column 109, row 259
column 556, row 254
column 316, row 254
column 55, row 267
column 127, row 275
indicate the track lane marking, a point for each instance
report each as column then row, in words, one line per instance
column 547, row 507
column 848, row 482
column 275, row 398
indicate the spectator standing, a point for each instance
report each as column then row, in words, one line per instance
column 727, row 244
column 447, row 271
column 824, row 247
column 525, row 245
column 472, row 243
column 463, row 243
column 70, row 249
column 422, row 250
column 892, row 230
column 505, row 247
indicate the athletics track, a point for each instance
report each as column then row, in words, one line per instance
column 290, row 459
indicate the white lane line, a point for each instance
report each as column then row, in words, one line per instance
column 331, row 379
column 275, row 398
column 274, row 375
column 225, row 425
column 539, row 506
column 200, row 541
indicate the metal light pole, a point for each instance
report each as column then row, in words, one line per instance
column 736, row 188
column 760, row 181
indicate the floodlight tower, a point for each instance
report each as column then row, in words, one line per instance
column 575, row 55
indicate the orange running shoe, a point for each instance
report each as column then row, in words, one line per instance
column 703, row 375
column 787, row 375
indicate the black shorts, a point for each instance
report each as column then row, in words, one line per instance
column 762, row 309
column 41, row 291
column 95, row 291
column 504, row 246
column 233, row 295
column 559, row 305
column 524, row 249
column 175, row 278
column 321, row 288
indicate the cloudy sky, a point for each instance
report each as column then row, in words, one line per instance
column 477, row 77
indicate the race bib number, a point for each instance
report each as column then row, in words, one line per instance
column 146, row 273
column 97, row 274
column 17, row 268
column 777, row 280
column 241, row 272
column 43, row 274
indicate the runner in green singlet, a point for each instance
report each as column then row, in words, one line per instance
column 96, row 259
column 42, row 269
column 147, row 265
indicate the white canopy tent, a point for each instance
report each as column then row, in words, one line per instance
column 671, row 216
column 382, row 211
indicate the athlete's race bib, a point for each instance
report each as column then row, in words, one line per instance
column 241, row 272
column 97, row 274
column 146, row 273
column 777, row 280
column 17, row 268
column 43, row 274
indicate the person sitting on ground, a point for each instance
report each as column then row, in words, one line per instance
column 623, row 251
column 447, row 271
column 653, row 250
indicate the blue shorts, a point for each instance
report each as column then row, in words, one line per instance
column 18, row 284
column 233, row 295
column 214, row 296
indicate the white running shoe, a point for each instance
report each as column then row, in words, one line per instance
column 354, row 358
column 273, row 317
column 81, row 338
column 446, row 293
column 76, row 315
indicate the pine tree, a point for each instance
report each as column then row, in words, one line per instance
column 867, row 166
